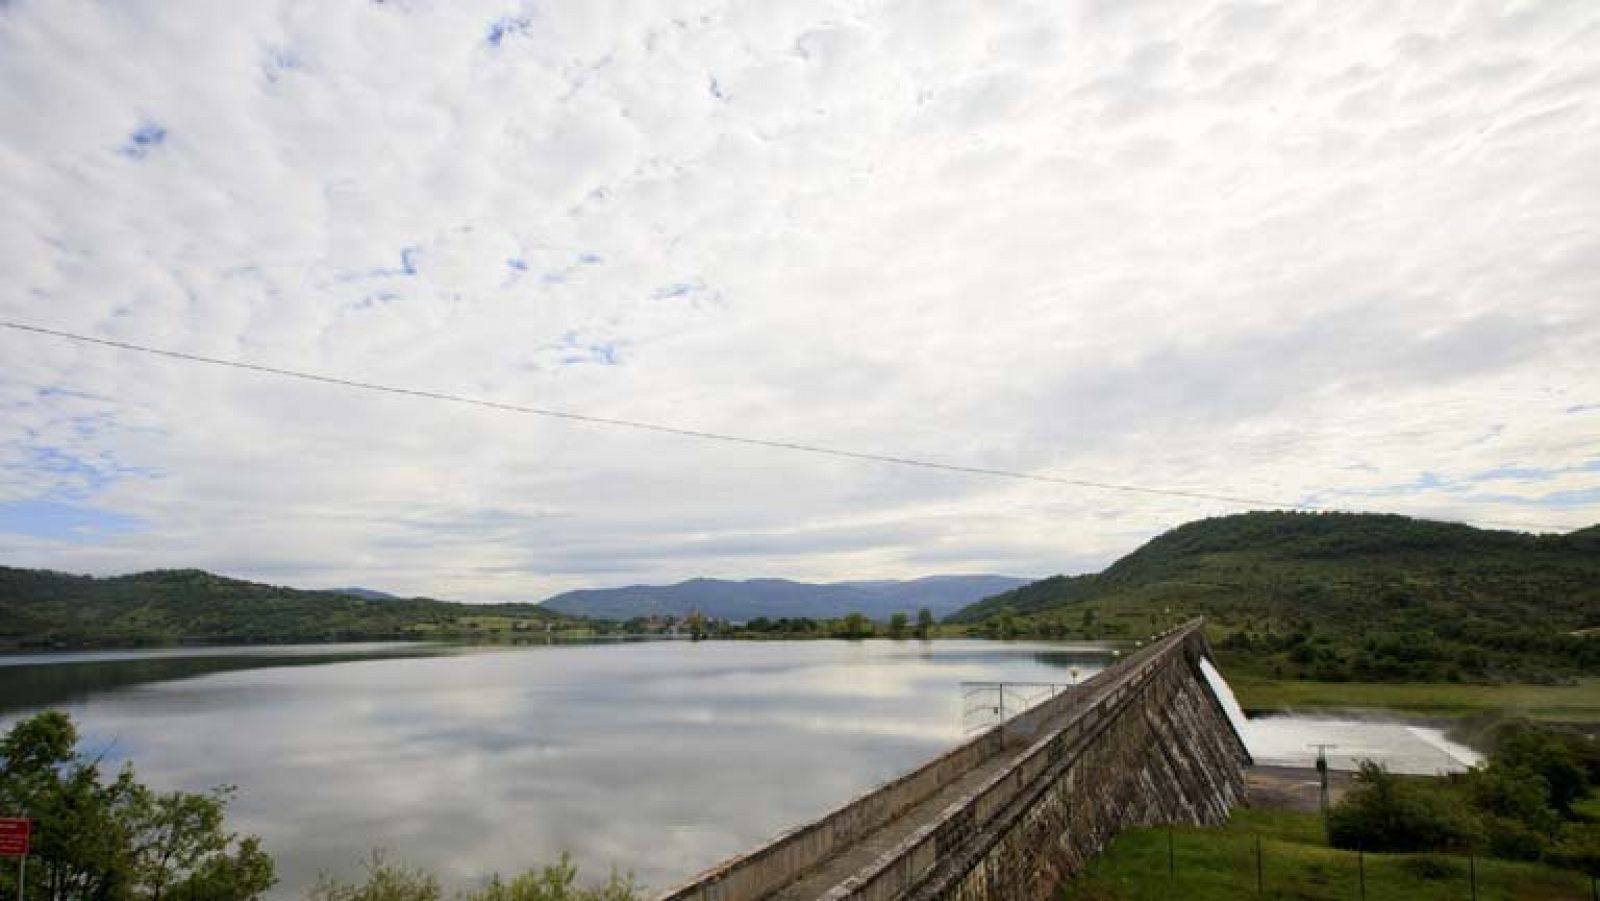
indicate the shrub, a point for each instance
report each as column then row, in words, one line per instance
column 1513, row 840
column 1385, row 813
column 1427, row 866
column 1559, row 759
column 384, row 882
column 1514, row 793
column 1579, row 849
column 554, row 882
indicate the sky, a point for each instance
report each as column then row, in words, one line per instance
column 1336, row 254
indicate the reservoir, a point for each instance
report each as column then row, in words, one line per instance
column 658, row 757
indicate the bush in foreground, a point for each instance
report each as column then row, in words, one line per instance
column 1523, row 804
column 395, row 882
column 1386, row 813
column 115, row 839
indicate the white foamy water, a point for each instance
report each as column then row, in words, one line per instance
column 1403, row 748
column 1224, row 693
column 1288, row 740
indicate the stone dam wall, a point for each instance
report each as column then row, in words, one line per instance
column 1142, row 743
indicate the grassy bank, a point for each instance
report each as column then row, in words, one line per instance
column 1296, row 862
column 1579, row 703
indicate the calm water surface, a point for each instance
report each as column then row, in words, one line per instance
column 657, row 757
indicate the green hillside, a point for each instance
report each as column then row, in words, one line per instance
column 39, row 608
column 1334, row 597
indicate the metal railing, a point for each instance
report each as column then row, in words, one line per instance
column 985, row 704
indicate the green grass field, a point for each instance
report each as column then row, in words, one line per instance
column 1578, row 703
column 1296, row 862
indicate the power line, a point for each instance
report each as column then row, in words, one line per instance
column 685, row 432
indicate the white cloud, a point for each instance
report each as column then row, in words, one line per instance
column 1282, row 251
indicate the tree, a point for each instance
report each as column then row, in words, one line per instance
column 118, row 840
column 385, row 882
column 1546, row 755
column 897, row 625
column 924, row 623
column 1006, row 623
column 1384, row 813
column 557, row 882
column 855, row 625
column 697, row 625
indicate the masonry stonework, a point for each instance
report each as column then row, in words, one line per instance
column 1011, row 814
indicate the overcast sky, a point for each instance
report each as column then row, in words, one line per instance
column 1345, row 254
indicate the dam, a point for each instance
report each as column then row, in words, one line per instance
column 1010, row 814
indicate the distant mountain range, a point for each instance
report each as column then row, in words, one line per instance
column 780, row 598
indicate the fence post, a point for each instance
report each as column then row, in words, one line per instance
column 1172, row 858
column 1361, row 871
column 1259, row 888
column 1472, row 874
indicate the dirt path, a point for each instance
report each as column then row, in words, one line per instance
column 1291, row 787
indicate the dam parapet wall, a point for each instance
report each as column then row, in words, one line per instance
column 1144, row 742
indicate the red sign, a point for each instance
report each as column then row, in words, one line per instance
column 14, row 837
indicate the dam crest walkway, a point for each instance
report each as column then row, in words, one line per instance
column 1009, row 814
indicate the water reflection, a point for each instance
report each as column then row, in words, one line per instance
column 53, row 679
column 662, row 758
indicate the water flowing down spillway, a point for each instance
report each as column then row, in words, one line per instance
column 1287, row 740
column 1224, row 693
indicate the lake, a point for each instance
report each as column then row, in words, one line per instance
column 658, row 757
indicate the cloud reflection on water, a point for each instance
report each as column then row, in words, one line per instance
column 662, row 758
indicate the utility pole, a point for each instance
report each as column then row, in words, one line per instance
column 1322, row 771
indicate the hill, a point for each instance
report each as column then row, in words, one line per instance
column 1338, row 596
column 40, row 608
column 371, row 594
column 780, row 598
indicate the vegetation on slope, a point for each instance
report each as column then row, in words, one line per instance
column 1522, row 816
column 1219, row 864
column 1340, row 597
column 39, row 608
